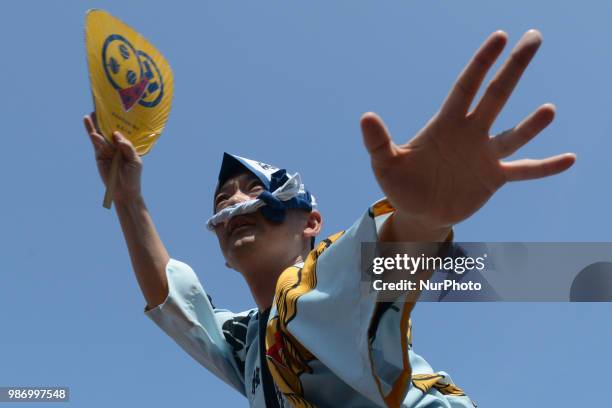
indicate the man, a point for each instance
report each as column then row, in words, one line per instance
column 315, row 339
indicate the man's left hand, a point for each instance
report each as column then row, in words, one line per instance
column 453, row 165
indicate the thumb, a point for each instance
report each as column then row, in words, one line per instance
column 376, row 137
column 125, row 146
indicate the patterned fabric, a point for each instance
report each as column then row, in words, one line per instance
column 281, row 191
column 328, row 342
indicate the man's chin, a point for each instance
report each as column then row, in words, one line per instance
column 242, row 249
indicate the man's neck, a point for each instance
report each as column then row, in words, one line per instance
column 262, row 277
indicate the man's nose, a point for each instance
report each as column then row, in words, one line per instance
column 238, row 197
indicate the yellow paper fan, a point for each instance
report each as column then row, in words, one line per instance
column 131, row 82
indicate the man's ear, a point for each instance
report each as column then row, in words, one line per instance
column 313, row 224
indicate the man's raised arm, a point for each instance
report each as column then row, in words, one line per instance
column 147, row 252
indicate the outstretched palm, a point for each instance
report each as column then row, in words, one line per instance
column 453, row 166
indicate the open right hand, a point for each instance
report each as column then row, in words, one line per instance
column 453, row 166
column 130, row 168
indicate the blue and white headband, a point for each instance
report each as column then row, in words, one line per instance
column 281, row 191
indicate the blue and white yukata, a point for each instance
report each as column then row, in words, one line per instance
column 324, row 343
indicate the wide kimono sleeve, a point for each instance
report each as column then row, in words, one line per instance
column 324, row 311
column 213, row 337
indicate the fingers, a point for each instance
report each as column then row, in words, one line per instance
column 94, row 118
column 509, row 142
column 376, row 137
column 527, row 169
column 102, row 148
column 89, row 125
column 501, row 86
column 105, row 150
column 125, row 147
column 461, row 96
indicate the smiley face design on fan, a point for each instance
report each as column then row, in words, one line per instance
column 132, row 73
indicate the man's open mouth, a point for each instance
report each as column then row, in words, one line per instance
column 238, row 222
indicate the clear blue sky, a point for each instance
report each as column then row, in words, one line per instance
column 286, row 83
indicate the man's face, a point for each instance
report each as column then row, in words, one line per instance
column 252, row 234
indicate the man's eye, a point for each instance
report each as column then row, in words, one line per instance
column 219, row 200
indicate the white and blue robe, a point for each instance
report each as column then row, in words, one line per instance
column 324, row 343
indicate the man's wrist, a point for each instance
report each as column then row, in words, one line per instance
column 130, row 202
column 403, row 228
